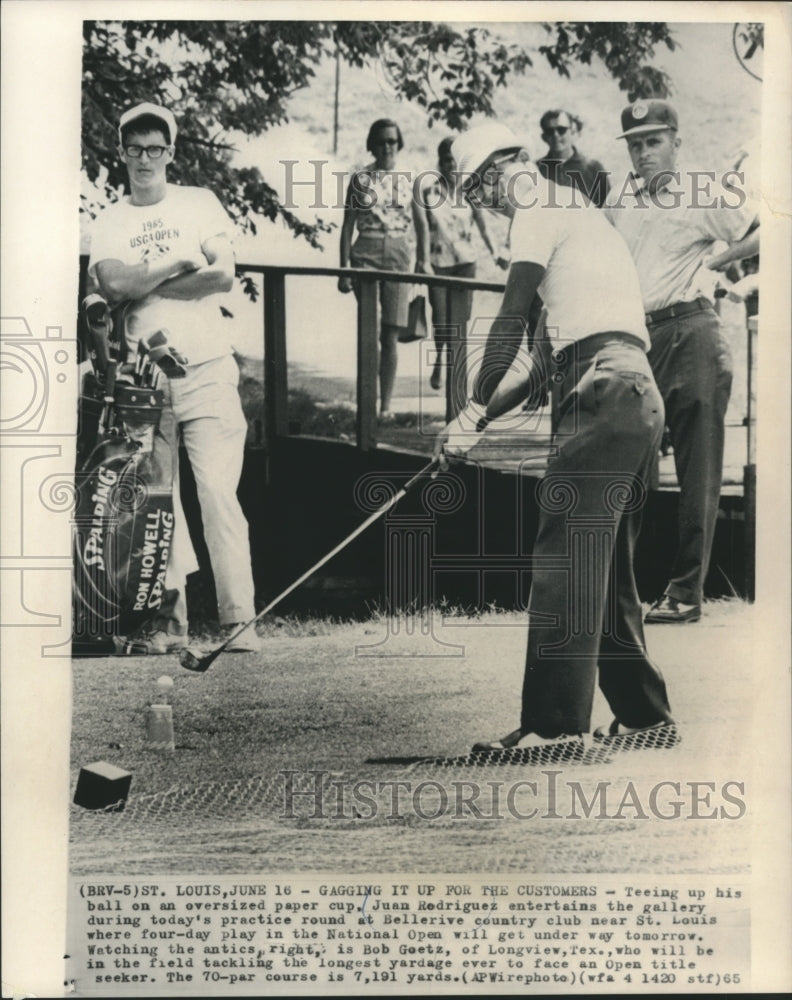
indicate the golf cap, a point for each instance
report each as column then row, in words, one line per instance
column 647, row 116
column 156, row 111
column 473, row 148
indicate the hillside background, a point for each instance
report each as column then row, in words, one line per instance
column 718, row 102
column 719, row 106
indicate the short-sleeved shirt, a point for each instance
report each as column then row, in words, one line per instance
column 671, row 233
column 590, row 284
column 383, row 200
column 580, row 172
column 177, row 226
column 450, row 219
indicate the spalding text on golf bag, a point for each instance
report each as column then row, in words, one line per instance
column 124, row 480
column 124, row 521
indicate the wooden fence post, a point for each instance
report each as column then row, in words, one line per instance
column 276, row 383
column 456, row 378
column 367, row 354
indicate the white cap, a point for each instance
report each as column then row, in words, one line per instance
column 156, row 110
column 474, row 147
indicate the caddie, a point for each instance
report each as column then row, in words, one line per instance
column 675, row 225
column 584, row 610
column 165, row 250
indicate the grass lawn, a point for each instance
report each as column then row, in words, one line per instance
column 319, row 701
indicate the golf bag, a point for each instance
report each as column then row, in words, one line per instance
column 124, row 483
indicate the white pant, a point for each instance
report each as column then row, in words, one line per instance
column 206, row 410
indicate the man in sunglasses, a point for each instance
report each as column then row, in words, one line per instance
column 563, row 164
column 165, row 252
column 584, row 609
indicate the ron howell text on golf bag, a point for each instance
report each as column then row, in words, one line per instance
column 124, row 485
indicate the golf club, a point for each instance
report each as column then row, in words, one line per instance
column 164, row 356
column 139, row 359
column 100, row 330
column 199, row 661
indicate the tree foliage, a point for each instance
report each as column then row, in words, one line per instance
column 223, row 76
column 622, row 47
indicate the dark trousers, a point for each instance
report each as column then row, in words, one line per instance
column 584, row 610
column 692, row 365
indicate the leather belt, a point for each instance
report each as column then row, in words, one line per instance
column 597, row 340
column 561, row 358
column 677, row 309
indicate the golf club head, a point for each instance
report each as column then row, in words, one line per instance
column 157, row 339
column 163, row 357
column 198, row 660
column 100, row 327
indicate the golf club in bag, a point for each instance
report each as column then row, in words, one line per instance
column 199, row 660
column 124, row 485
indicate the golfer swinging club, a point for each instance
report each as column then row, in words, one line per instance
column 584, row 610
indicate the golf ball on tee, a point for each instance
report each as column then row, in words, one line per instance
column 165, row 683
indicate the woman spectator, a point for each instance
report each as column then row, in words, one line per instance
column 451, row 216
column 391, row 225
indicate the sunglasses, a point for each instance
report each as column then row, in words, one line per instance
column 557, row 129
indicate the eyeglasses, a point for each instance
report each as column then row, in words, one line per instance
column 489, row 179
column 152, row 152
column 558, row 129
column 493, row 171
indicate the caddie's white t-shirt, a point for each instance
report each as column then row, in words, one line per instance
column 590, row 284
column 671, row 233
column 177, row 227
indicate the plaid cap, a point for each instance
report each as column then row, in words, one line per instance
column 647, row 116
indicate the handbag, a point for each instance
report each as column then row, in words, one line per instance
column 416, row 328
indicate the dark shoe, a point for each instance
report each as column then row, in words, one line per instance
column 506, row 743
column 518, row 740
column 530, row 749
column 670, row 611
column 661, row 735
column 158, row 642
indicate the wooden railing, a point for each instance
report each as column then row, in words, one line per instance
column 276, row 387
column 276, row 382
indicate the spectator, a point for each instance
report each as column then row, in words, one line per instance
column 451, row 216
column 673, row 235
column 563, row 164
column 166, row 251
column 383, row 206
column 746, row 273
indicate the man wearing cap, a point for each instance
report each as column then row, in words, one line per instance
column 584, row 610
column 564, row 164
column 674, row 225
column 165, row 252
